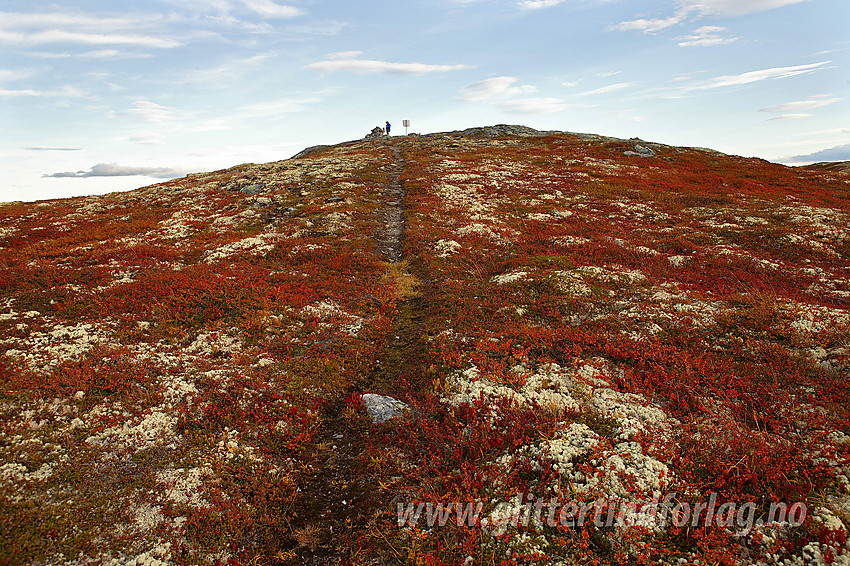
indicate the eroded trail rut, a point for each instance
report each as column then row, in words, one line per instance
column 343, row 495
column 389, row 236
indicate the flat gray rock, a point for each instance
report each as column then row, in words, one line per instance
column 382, row 408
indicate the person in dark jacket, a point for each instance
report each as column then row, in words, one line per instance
column 387, row 127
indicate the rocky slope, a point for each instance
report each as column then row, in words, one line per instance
column 570, row 321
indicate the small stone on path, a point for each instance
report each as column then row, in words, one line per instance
column 382, row 408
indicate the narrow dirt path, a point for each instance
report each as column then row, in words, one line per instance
column 342, row 496
column 388, row 238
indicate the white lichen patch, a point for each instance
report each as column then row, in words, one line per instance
column 567, row 241
column 816, row 319
column 613, row 273
column 572, row 283
column 626, row 472
column 45, row 349
column 678, row 260
column 549, row 387
column 573, row 442
column 482, row 230
column 509, row 277
column 184, row 486
column 213, row 343
column 631, row 411
column 331, row 315
column 251, row 246
column 445, row 248
column 154, row 429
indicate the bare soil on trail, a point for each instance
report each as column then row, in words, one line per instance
column 390, row 233
column 342, row 495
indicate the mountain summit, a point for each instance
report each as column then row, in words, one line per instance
column 495, row 346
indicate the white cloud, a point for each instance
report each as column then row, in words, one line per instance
column 691, row 9
column 148, row 138
column 316, row 28
column 59, row 19
column 760, row 75
column 606, row 89
column 533, row 105
column 735, row 7
column 345, row 54
column 495, row 87
column 151, row 112
column 798, row 105
column 115, row 170
column 650, row 25
column 223, row 75
column 62, row 36
column 111, row 54
column 790, row 117
column 270, row 9
column 14, row 74
column 364, row 66
column 487, row 88
column 537, row 4
column 706, row 36
column 49, row 54
column 63, row 92
column 52, row 148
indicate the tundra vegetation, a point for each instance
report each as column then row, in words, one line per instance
column 565, row 316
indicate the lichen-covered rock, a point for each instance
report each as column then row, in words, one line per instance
column 382, row 408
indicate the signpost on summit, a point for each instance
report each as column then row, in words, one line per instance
column 406, row 124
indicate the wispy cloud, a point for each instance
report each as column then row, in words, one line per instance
column 270, row 9
column 706, row 36
column 502, row 92
column 533, row 105
column 345, row 54
column 694, row 9
column 14, row 74
column 760, row 75
column 51, row 148
column 63, row 92
column 116, row 170
column 650, row 25
column 62, row 36
column 735, row 7
column 70, row 29
column 365, row 66
column 790, row 117
column 222, row 76
column 493, row 87
column 800, row 105
column 606, row 89
column 537, row 4
column 110, row 54
column 148, row 138
column 152, row 112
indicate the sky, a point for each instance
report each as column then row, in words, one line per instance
column 108, row 95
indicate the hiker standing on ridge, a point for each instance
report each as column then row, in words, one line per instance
column 388, row 128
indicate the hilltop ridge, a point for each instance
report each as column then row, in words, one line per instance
column 562, row 319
